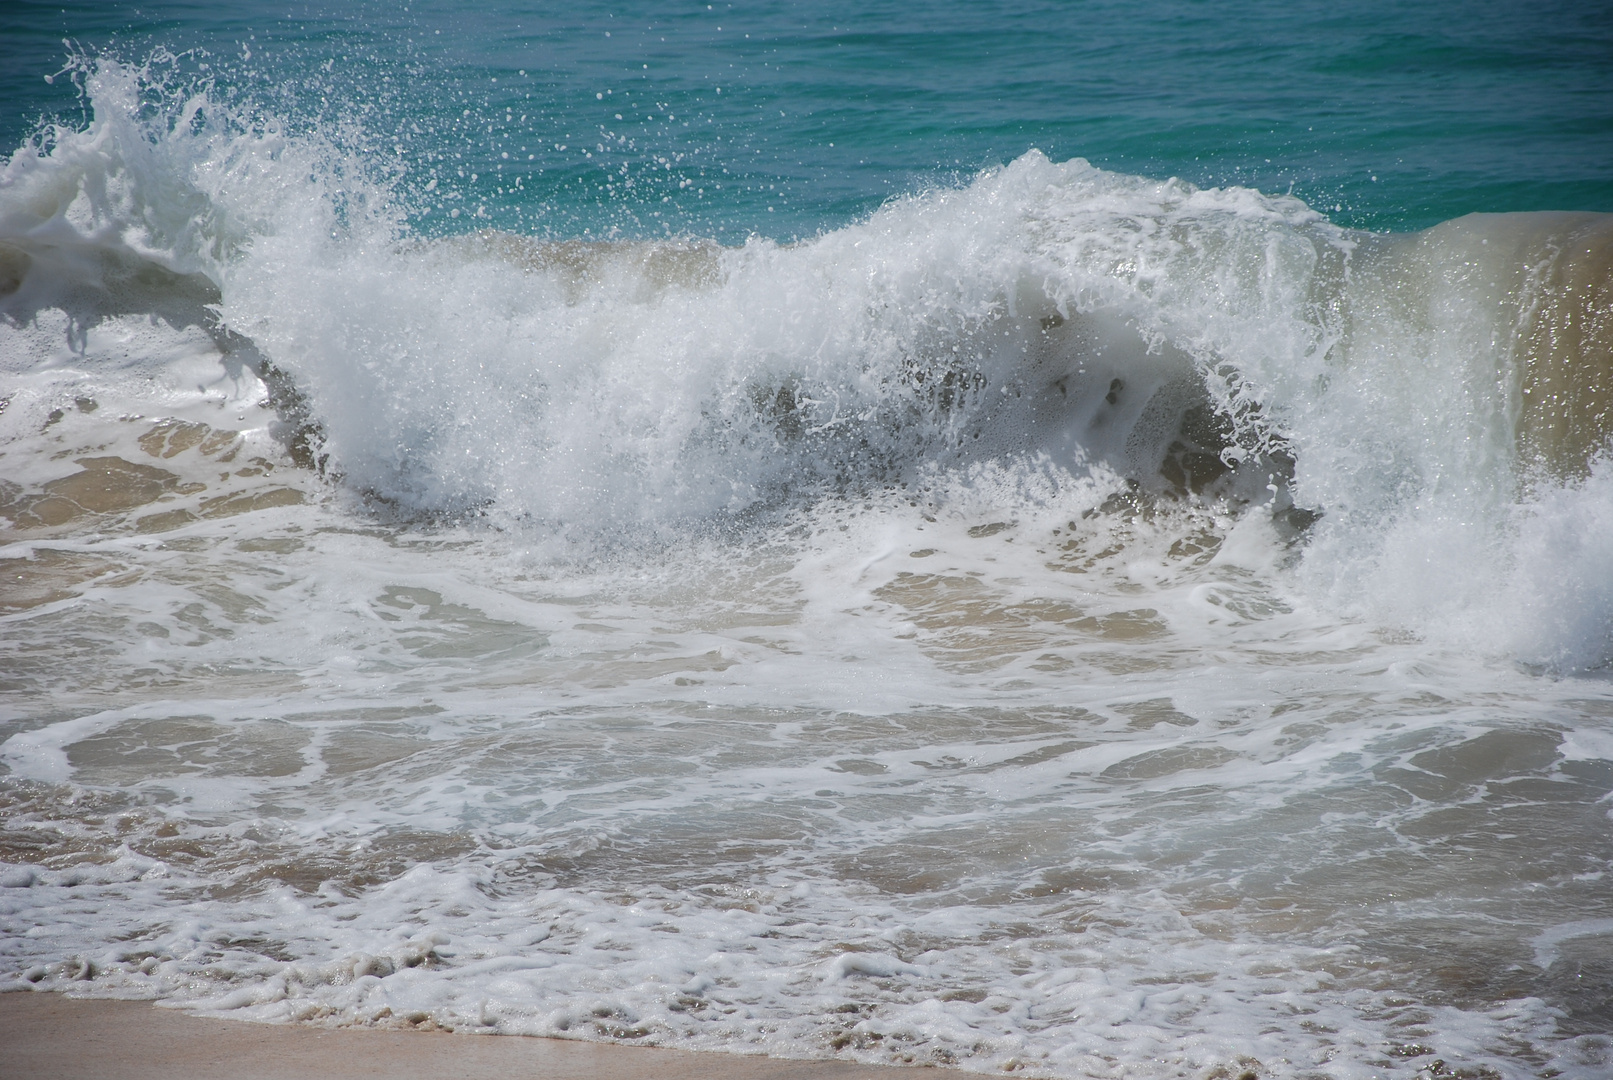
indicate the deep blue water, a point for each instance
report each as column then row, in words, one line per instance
column 784, row 118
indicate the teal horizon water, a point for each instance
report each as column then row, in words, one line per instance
column 1053, row 540
column 1385, row 117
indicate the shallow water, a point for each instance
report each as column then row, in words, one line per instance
column 1056, row 621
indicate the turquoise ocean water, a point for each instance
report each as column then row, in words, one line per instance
column 1051, row 539
column 1385, row 116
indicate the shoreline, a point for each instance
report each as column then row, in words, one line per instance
column 48, row 1036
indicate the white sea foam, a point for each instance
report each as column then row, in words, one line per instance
column 875, row 645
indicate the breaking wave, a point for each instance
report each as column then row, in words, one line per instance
column 1424, row 414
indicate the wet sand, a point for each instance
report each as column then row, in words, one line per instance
column 46, row 1036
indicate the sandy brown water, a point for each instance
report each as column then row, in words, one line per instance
column 54, row 1037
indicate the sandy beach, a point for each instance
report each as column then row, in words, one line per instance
column 52, row 1037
